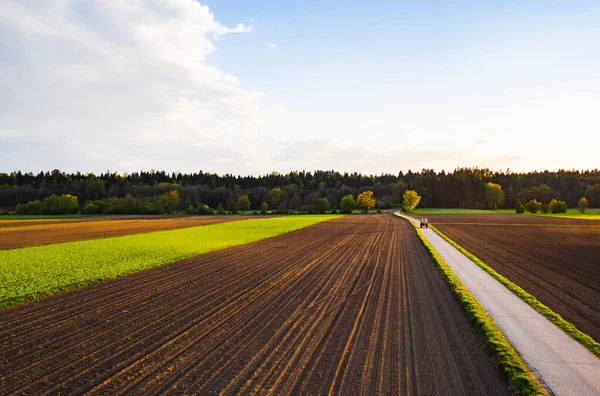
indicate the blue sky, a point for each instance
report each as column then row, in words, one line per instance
column 250, row 87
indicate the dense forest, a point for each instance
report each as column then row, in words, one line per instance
column 144, row 191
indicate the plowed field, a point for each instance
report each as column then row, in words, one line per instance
column 556, row 260
column 40, row 232
column 351, row 306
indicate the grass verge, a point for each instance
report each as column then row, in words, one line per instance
column 511, row 365
column 549, row 314
column 38, row 271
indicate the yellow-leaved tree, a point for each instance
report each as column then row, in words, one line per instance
column 365, row 200
column 410, row 200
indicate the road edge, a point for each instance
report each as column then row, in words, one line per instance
column 584, row 339
column 508, row 360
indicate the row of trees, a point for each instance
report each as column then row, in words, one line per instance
column 554, row 206
column 461, row 188
column 167, row 203
column 52, row 205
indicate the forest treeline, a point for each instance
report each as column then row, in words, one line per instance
column 461, row 188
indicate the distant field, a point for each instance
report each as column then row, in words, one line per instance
column 22, row 233
column 511, row 219
column 590, row 214
column 43, row 270
column 427, row 211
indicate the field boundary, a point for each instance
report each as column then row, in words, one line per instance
column 568, row 327
column 510, row 363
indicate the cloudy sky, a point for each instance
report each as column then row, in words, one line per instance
column 248, row 87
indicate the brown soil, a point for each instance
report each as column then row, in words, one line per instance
column 351, row 306
column 558, row 264
column 43, row 233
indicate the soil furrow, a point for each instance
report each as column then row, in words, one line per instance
column 352, row 306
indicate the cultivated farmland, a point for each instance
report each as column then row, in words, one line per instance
column 43, row 270
column 557, row 260
column 349, row 306
column 17, row 234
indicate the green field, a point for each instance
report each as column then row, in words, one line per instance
column 44, row 270
column 428, row 211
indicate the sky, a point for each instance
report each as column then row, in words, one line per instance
column 251, row 87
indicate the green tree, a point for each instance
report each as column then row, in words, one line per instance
column 204, row 209
column 295, row 202
column 322, row 205
column 167, row 203
column 558, row 206
column 545, row 208
column 21, row 209
column 191, row 210
column 348, row 204
column 232, row 207
column 220, row 209
column 56, row 205
column 264, row 208
column 582, row 205
column 494, row 196
column 533, row 206
column 95, row 187
column 410, row 200
column 243, row 202
column 398, row 189
column 592, row 192
column 520, row 208
column 542, row 193
column 273, row 197
column 34, row 207
column 91, row 208
column 365, row 200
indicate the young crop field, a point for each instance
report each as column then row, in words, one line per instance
column 42, row 270
column 554, row 259
column 350, row 306
column 15, row 234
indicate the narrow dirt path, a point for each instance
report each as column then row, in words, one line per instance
column 351, row 306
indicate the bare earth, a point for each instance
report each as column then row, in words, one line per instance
column 351, row 306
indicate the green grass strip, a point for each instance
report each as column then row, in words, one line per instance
column 431, row 211
column 32, row 272
column 549, row 314
column 510, row 363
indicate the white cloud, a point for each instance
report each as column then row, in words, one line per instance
column 271, row 45
column 101, row 75
column 322, row 153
